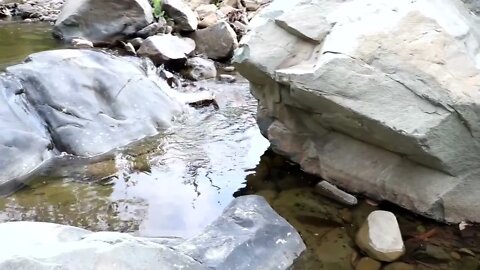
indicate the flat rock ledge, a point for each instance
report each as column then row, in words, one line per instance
column 389, row 109
column 248, row 235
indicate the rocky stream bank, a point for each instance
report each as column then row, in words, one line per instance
column 337, row 95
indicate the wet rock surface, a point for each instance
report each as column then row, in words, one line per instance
column 230, row 238
column 91, row 101
column 392, row 123
column 198, row 68
column 24, row 140
column 78, row 102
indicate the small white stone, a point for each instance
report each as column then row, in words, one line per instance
column 380, row 237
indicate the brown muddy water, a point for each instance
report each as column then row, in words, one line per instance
column 177, row 183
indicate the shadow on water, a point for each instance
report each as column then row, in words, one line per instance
column 329, row 228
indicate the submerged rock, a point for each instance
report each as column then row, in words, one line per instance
column 399, row 266
column 102, row 21
column 248, row 235
column 367, row 263
column 183, row 16
column 198, row 68
column 328, row 190
column 380, row 237
column 387, row 109
column 24, row 141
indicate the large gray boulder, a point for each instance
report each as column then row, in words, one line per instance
column 93, row 102
column 102, row 21
column 381, row 97
column 24, row 141
column 248, row 235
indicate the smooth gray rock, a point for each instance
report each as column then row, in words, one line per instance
column 93, row 102
column 47, row 246
column 217, row 41
column 102, row 21
column 24, row 141
column 164, row 48
column 384, row 109
column 249, row 235
column 183, row 16
column 305, row 28
column 198, row 68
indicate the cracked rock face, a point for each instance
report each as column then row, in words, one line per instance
column 249, row 235
column 381, row 97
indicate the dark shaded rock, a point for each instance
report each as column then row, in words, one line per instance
column 217, row 41
column 102, row 21
column 152, row 29
column 136, row 42
column 432, row 254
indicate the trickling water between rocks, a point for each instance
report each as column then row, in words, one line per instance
column 176, row 183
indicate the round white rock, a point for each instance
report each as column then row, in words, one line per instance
column 380, row 237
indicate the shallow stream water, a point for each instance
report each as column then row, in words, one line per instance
column 17, row 40
column 176, row 183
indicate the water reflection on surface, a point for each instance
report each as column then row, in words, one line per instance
column 18, row 40
column 173, row 184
